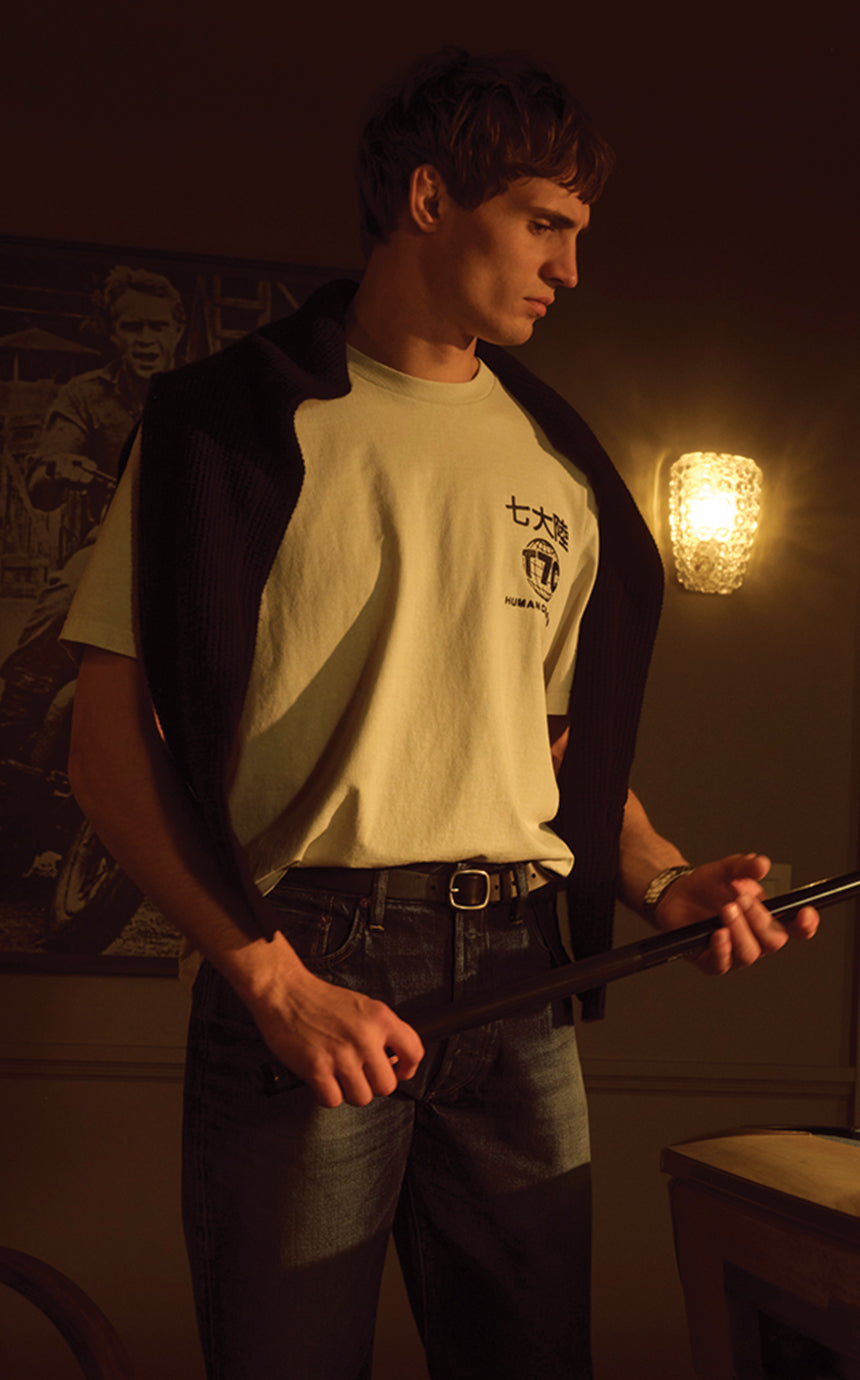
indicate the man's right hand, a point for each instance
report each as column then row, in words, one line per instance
column 345, row 1045
column 78, row 470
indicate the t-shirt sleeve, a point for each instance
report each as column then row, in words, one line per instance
column 103, row 612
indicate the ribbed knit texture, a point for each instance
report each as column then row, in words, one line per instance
column 615, row 643
column 221, row 473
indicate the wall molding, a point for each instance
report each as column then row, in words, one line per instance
column 128, row 1063
column 642, row 1077
column 699, row 1077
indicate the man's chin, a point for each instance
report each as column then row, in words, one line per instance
column 515, row 333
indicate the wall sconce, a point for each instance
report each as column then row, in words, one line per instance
column 713, row 516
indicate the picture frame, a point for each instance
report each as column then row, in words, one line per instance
column 83, row 329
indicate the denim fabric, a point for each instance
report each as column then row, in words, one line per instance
column 479, row 1164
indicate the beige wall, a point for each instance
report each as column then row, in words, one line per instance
column 717, row 310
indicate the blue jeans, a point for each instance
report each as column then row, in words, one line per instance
column 479, row 1164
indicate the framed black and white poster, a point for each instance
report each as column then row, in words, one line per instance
column 83, row 329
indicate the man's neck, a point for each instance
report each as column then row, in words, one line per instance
column 390, row 321
column 132, row 386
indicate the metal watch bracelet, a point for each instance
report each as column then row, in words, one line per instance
column 659, row 885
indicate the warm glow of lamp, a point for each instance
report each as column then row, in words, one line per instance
column 713, row 516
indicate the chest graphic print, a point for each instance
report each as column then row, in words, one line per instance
column 541, row 560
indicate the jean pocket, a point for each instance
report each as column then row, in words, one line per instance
column 324, row 930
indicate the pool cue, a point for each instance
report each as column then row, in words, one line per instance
column 588, row 973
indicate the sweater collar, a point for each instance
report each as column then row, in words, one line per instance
column 315, row 334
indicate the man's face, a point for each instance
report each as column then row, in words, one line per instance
column 145, row 332
column 501, row 265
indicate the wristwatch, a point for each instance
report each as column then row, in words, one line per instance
column 659, row 885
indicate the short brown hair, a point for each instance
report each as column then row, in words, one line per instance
column 483, row 122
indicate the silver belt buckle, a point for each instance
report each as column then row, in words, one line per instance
column 454, row 882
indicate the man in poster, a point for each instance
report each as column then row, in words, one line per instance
column 141, row 316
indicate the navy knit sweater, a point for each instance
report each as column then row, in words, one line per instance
column 221, row 473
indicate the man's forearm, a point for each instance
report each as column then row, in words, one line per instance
column 127, row 786
column 341, row 1042
column 643, row 854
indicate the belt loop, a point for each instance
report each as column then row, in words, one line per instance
column 522, row 875
column 378, row 895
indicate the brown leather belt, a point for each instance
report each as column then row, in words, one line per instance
column 463, row 886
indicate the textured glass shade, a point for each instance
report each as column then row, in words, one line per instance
column 713, row 516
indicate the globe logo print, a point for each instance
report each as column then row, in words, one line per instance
column 540, row 563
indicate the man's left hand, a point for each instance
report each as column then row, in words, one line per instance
column 731, row 888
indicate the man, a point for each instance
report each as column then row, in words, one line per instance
column 400, row 587
column 140, row 314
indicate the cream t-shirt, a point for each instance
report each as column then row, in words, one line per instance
column 418, row 625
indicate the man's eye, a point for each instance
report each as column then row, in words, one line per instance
column 539, row 226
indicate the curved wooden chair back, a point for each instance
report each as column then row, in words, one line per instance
column 97, row 1348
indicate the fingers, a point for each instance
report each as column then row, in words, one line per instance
column 328, row 1091
column 757, row 930
column 717, row 958
column 805, row 923
column 360, row 1070
column 353, row 1082
column 406, row 1050
column 752, row 867
column 358, row 1084
column 751, row 930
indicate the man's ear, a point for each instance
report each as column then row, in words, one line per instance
column 425, row 190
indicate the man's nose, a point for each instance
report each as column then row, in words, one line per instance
column 563, row 269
